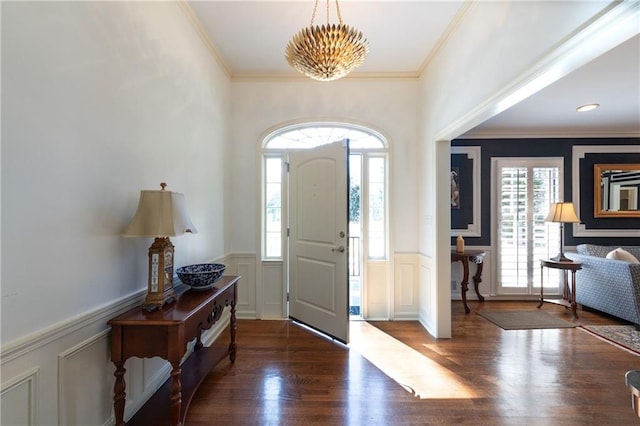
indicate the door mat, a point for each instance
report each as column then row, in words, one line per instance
column 524, row 320
column 624, row 336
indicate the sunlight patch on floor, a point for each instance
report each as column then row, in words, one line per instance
column 414, row 371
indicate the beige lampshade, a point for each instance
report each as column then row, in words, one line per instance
column 562, row 212
column 160, row 214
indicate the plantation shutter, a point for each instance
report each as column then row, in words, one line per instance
column 526, row 188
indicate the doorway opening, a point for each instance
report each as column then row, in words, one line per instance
column 355, row 236
column 366, row 193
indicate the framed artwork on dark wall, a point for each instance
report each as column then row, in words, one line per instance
column 616, row 188
column 455, row 187
column 465, row 191
column 597, row 219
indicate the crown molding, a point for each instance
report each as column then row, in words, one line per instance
column 551, row 134
column 278, row 77
column 444, row 38
column 299, row 78
column 202, row 33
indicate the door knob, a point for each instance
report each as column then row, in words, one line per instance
column 340, row 249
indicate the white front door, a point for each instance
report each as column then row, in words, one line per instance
column 318, row 239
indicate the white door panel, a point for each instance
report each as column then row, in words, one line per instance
column 318, row 276
column 320, row 297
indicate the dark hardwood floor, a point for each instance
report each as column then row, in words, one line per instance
column 287, row 375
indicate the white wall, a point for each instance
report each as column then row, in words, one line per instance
column 496, row 49
column 260, row 107
column 387, row 106
column 99, row 101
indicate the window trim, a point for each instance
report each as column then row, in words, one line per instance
column 282, row 153
column 367, row 156
column 323, row 124
column 263, row 202
column 497, row 163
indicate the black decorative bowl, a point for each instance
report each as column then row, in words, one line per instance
column 201, row 276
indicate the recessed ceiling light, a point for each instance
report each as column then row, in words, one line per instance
column 587, row 107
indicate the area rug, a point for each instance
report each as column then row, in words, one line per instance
column 623, row 336
column 524, row 320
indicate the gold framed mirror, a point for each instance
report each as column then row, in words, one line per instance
column 616, row 190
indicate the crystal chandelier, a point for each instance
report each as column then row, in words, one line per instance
column 327, row 52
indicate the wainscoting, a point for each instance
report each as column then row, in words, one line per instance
column 405, row 287
column 427, row 293
column 64, row 375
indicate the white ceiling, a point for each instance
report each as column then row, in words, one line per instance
column 250, row 38
column 611, row 80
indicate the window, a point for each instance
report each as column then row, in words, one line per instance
column 525, row 188
column 310, row 136
column 377, row 208
column 368, row 198
column 273, row 207
column 365, row 146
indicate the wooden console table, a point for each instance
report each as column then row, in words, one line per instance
column 568, row 294
column 165, row 333
column 474, row 256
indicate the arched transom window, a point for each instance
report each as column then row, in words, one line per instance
column 368, row 174
column 311, row 136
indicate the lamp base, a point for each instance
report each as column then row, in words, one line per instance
column 561, row 258
column 155, row 301
column 160, row 286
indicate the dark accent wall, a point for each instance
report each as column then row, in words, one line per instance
column 560, row 147
column 587, row 215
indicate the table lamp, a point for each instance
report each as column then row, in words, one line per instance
column 562, row 212
column 161, row 214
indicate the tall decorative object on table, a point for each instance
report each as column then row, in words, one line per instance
column 459, row 244
column 562, row 212
column 327, row 52
column 161, row 214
